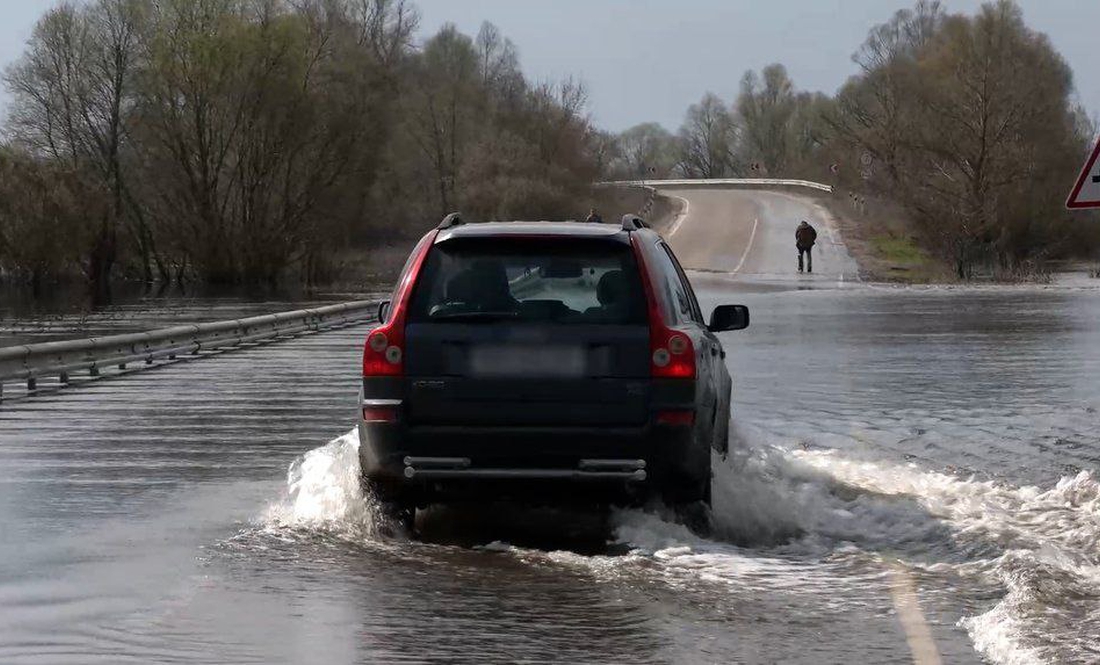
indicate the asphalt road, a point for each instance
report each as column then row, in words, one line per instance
column 751, row 233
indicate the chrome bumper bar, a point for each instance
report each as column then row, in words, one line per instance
column 451, row 468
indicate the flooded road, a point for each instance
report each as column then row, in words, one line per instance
column 913, row 478
column 896, row 449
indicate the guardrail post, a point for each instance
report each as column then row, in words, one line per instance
column 93, row 371
column 63, row 378
column 32, row 384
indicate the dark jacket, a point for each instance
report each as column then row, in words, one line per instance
column 805, row 236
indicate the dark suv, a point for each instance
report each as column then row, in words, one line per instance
column 544, row 363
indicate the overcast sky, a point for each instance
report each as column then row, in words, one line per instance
column 649, row 59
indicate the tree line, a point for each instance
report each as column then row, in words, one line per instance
column 969, row 123
column 251, row 141
column 245, row 141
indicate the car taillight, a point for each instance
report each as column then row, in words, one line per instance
column 384, row 351
column 671, row 352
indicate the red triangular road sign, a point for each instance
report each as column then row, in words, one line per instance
column 1086, row 193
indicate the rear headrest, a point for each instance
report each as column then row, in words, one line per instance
column 484, row 283
column 612, row 289
column 461, row 287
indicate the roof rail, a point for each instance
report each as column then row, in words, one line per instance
column 450, row 221
column 633, row 223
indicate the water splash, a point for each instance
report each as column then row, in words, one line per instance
column 1039, row 545
column 323, row 493
column 777, row 510
column 796, row 519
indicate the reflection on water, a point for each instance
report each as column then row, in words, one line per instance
column 199, row 515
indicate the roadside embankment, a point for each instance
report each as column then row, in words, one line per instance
column 882, row 239
column 888, row 246
column 657, row 209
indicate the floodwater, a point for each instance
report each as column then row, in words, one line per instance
column 915, row 472
column 66, row 312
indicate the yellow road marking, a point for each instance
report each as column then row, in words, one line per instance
column 903, row 592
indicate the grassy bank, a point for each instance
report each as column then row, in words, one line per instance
column 882, row 240
column 885, row 243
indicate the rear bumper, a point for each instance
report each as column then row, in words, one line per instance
column 462, row 468
column 544, row 465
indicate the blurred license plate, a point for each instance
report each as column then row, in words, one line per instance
column 517, row 360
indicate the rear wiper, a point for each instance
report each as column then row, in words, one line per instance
column 474, row 316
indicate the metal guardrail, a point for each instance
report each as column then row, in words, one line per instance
column 743, row 182
column 30, row 362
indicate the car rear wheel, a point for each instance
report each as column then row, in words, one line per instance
column 682, row 491
column 691, row 505
column 394, row 511
column 398, row 515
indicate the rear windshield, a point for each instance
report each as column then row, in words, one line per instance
column 568, row 281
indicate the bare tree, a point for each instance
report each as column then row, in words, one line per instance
column 647, row 150
column 708, row 140
column 71, row 90
column 765, row 109
column 43, row 207
column 271, row 134
column 874, row 111
column 384, row 28
column 442, row 107
column 255, row 123
column 498, row 62
column 1000, row 98
column 961, row 112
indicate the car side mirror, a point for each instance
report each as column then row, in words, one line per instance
column 729, row 317
column 383, row 310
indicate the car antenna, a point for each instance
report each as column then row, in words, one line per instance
column 450, row 221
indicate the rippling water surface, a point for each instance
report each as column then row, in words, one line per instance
column 935, row 449
column 68, row 314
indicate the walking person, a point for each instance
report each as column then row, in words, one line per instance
column 804, row 238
